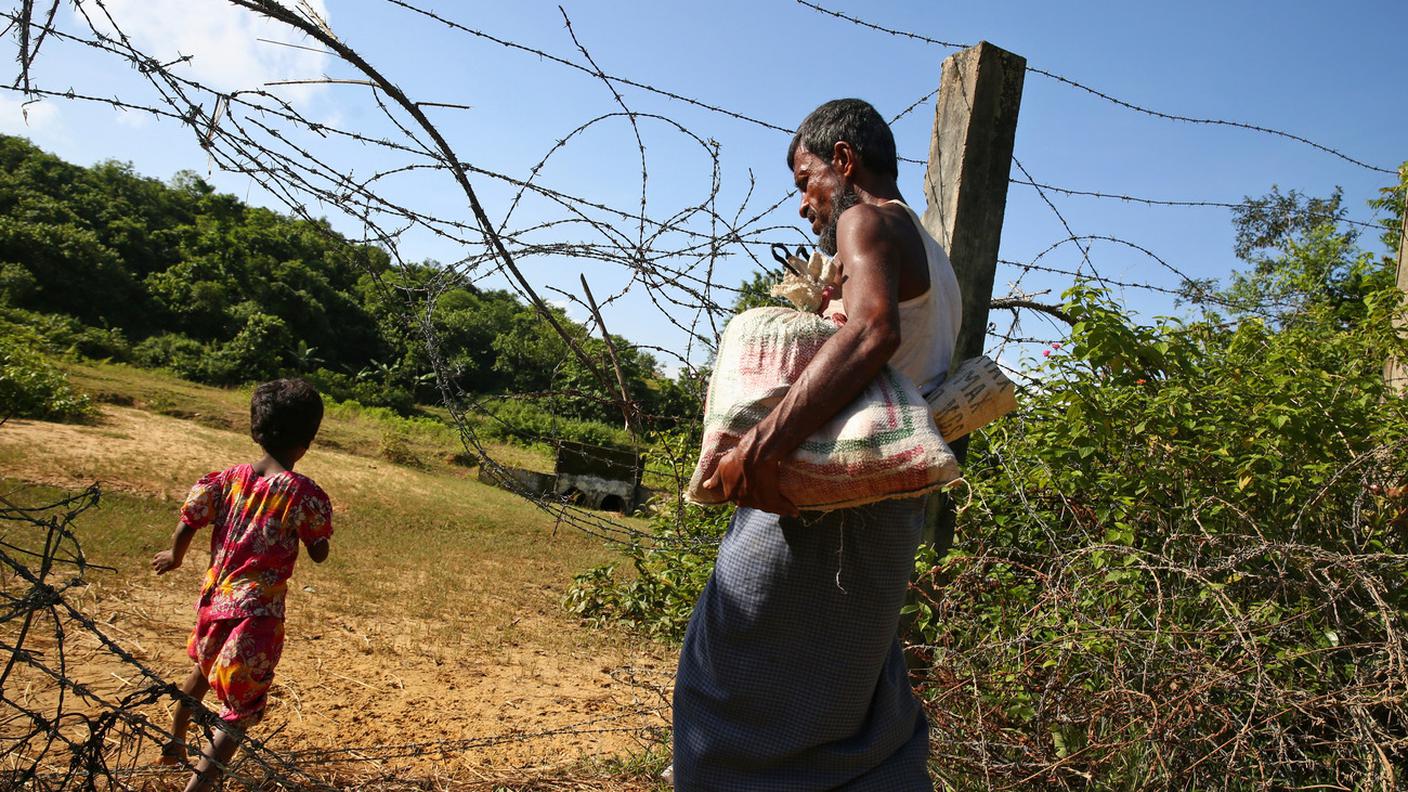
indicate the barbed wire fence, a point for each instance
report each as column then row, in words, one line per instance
column 1186, row 290
column 1215, row 683
column 62, row 728
column 672, row 260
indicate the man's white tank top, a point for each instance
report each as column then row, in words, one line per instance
column 929, row 323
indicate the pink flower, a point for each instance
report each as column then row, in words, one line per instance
column 1056, row 345
column 1046, row 353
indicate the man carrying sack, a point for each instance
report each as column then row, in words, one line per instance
column 791, row 676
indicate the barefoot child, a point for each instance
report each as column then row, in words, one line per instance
column 257, row 514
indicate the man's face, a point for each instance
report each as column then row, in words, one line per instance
column 825, row 195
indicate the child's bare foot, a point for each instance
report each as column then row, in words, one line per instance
column 172, row 753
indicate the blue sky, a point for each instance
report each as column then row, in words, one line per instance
column 1332, row 73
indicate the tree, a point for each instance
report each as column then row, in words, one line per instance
column 754, row 292
column 1302, row 258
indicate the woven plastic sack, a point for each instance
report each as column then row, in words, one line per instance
column 883, row 445
column 973, row 396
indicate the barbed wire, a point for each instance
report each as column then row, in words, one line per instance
column 671, row 259
column 1234, row 205
column 587, row 70
column 242, row 133
column 892, row 31
column 1196, row 684
column 1113, row 99
column 61, row 731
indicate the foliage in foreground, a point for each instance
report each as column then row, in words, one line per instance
column 669, row 570
column 1176, row 571
column 1179, row 570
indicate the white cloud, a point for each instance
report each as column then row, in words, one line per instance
column 222, row 40
column 134, row 119
column 19, row 117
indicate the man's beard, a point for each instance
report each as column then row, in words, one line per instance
column 843, row 200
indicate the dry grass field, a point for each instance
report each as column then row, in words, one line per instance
column 437, row 617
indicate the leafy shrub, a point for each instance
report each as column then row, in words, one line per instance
column 174, row 352
column 57, row 334
column 17, row 283
column 371, row 393
column 671, row 568
column 32, row 387
column 255, row 354
column 528, row 422
column 1175, row 572
column 94, row 343
column 396, row 449
column 412, row 426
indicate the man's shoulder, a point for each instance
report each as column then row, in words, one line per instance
column 877, row 221
column 884, row 229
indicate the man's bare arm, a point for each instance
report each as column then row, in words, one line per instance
column 842, row 368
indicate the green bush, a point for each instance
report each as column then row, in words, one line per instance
column 369, row 392
column 57, row 334
column 17, row 284
column 396, row 449
column 174, row 352
column 671, row 567
column 257, row 353
column 33, row 387
column 93, row 343
column 523, row 421
column 403, row 426
column 1175, row 572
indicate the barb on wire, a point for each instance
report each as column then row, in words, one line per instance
column 64, row 731
column 257, row 133
column 1161, row 202
column 1113, row 99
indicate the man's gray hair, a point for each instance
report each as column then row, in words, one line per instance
column 851, row 120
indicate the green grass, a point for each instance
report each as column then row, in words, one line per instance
column 428, row 441
column 424, row 539
column 458, row 557
column 438, row 588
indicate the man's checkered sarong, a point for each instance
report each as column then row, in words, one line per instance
column 791, row 676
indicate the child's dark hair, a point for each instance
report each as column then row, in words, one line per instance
column 285, row 414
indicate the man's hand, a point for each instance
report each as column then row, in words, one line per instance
column 751, row 484
column 164, row 562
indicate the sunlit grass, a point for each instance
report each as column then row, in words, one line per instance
column 425, row 540
column 428, row 441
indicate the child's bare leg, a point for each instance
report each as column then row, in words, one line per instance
column 195, row 685
column 216, row 757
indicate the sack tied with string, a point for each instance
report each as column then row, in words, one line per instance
column 882, row 445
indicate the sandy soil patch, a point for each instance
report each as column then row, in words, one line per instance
column 354, row 675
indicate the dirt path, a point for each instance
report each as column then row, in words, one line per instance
column 381, row 651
